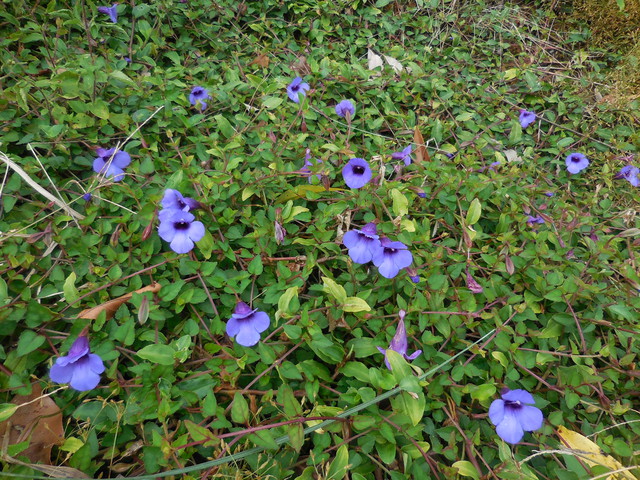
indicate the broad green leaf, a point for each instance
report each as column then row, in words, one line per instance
column 28, row 342
column 355, row 304
column 466, row 469
column 473, row 214
column 224, row 126
column 7, row 410
column 336, row 291
column 239, row 409
column 122, row 77
column 162, row 354
column 340, row 464
column 272, row 102
column 399, row 366
column 69, row 288
column 285, row 304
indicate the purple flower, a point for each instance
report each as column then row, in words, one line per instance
column 526, row 118
column 537, row 219
column 173, row 200
column 415, row 278
column 549, row 194
column 280, row 232
column 80, row 369
column 344, row 107
column 399, row 343
column 515, row 414
column 87, row 197
column 198, row 95
column 356, row 173
column 472, row 285
column 180, row 229
column 391, row 258
column 362, row 244
column 247, row 325
column 576, row 162
column 112, row 11
column 296, row 88
column 404, row 155
column 629, row 173
column 308, row 163
column 111, row 165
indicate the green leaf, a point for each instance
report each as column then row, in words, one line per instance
column 355, row 304
column 255, row 266
column 291, row 405
column 412, row 405
column 122, row 77
column 296, row 436
column 285, row 305
column 336, row 291
column 400, row 203
column 340, row 464
column 100, row 109
column 7, row 410
column 272, row 102
column 201, row 434
column 206, row 245
column 162, row 354
column 224, row 126
column 69, row 289
column 28, row 342
column 399, row 366
column 473, row 214
column 466, row 469
column 239, row 409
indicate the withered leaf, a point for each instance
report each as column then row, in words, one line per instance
column 51, row 470
column 261, row 60
column 422, row 155
column 112, row 306
column 38, row 420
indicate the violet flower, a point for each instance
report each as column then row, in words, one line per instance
column 111, row 165
column 87, row 197
column 81, row 369
column 180, row 229
column 198, row 95
column 308, row 163
column 391, row 258
column 472, row 285
column 404, row 155
column 174, row 200
column 515, row 414
column 362, row 244
column 533, row 220
column 246, row 325
column 629, row 173
column 576, row 162
column 356, row 173
column 399, row 343
column 526, row 118
column 296, row 88
column 344, row 107
column 112, row 11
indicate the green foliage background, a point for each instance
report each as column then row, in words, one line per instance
column 563, row 297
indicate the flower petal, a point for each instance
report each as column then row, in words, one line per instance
column 233, row 326
column 247, row 336
column 530, row 418
column 165, row 229
column 83, row 377
column 196, row 231
column 260, row 321
column 509, row 428
column 519, row 395
column 61, row 373
column 496, row 411
column 181, row 243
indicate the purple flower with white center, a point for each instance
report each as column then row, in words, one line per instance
column 362, row 244
column 399, row 343
column 198, row 95
column 526, row 118
column 180, row 229
column 344, row 107
column 356, row 173
column 472, row 285
column 112, row 11
column 246, row 325
column 111, row 164
column 404, row 155
column 629, row 173
column 515, row 414
column 296, row 88
column 391, row 258
column 533, row 220
column 80, row 368
column 576, row 162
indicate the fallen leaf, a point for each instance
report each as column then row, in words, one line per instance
column 512, row 156
column 422, row 155
column 395, row 64
column 38, row 420
column 592, row 454
column 374, row 60
column 112, row 306
column 261, row 60
column 51, row 470
column 301, row 67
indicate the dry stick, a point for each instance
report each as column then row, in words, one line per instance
column 25, row 176
column 575, row 317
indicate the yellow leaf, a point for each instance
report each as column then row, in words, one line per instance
column 592, row 454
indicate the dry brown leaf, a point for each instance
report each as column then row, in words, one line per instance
column 51, row 470
column 112, row 306
column 40, row 422
column 301, row 67
column 422, row 155
column 261, row 60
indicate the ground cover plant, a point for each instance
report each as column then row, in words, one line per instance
column 314, row 239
